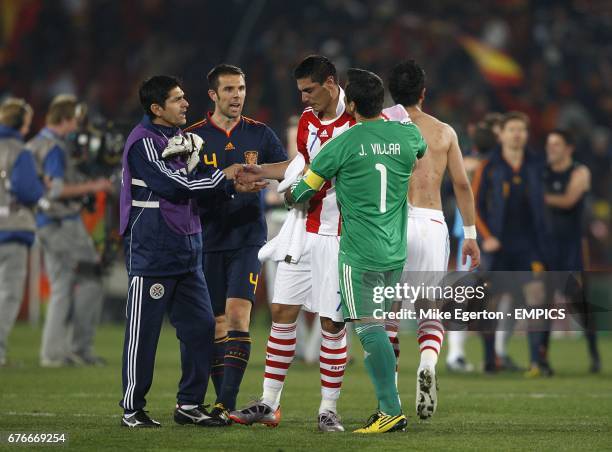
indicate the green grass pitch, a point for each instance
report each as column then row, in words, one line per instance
column 571, row 411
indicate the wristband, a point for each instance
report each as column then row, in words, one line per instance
column 469, row 232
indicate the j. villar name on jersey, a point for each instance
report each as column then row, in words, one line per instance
column 381, row 149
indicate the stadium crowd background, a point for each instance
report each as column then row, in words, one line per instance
column 101, row 50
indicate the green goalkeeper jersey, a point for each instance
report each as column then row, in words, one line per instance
column 372, row 163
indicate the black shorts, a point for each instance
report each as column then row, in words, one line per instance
column 231, row 274
column 567, row 255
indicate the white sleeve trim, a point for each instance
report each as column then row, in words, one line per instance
column 177, row 176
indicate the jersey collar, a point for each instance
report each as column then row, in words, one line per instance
column 340, row 109
column 164, row 130
column 227, row 133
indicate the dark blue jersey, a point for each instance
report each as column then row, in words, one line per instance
column 510, row 204
column 566, row 224
column 519, row 230
column 230, row 224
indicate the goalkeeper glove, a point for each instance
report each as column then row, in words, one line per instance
column 189, row 145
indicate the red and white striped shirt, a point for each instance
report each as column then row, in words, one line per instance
column 323, row 213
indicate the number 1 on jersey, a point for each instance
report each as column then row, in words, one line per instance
column 383, row 186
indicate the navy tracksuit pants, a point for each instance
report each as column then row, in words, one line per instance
column 185, row 298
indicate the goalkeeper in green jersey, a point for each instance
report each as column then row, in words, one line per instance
column 371, row 163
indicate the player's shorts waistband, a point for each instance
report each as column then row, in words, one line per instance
column 421, row 212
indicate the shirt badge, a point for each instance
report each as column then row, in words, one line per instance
column 250, row 157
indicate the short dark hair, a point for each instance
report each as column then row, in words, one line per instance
column 366, row 89
column 406, row 83
column 567, row 136
column 156, row 90
column 218, row 71
column 484, row 139
column 514, row 116
column 492, row 119
column 317, row 67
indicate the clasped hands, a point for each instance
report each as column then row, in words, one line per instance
column 243, row 181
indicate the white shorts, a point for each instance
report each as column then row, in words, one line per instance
column 428, row 244
column 428, row 249
column 313, row 282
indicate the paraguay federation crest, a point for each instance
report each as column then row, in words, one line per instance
column 250, row 157
column 156, row 291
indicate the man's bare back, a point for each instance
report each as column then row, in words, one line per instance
column 426, row 179
column 407, row 89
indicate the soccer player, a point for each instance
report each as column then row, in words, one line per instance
column 510, row 216
column 311, row 283
column 233, row 229
column 163, row 250
column 567, row 183
column 428, row 243
column 372, row 163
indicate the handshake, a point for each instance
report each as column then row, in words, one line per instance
column 189, row 147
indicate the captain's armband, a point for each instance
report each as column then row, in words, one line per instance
column 306, row 187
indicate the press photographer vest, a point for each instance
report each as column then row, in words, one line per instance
column 40, row 146
column 13, row 215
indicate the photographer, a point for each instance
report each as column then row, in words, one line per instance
column 71, row 260
column 20, row 188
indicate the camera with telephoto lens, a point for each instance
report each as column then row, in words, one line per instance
column 96, row 148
